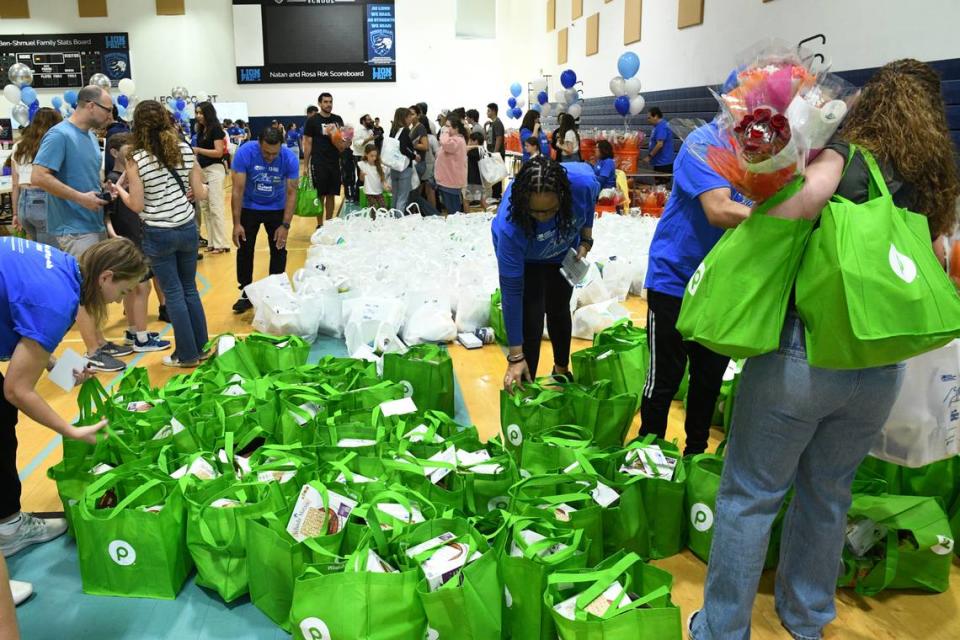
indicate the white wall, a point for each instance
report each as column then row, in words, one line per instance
column 860, row 33
column 196, row 50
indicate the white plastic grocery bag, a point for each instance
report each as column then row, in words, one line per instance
column 492, row 168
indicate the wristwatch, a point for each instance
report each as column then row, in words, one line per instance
column 286, row 225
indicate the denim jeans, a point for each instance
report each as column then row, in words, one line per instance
column 451, row 199
column 32, row 211
column 400, row 182
column 173, row 256
column 800, row 426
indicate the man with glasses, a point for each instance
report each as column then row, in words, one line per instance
column 67, row 167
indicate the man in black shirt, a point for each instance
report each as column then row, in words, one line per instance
column 319, row 135
column 495, row 140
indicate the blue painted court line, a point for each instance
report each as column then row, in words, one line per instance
column 53, row 444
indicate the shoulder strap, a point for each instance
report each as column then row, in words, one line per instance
column 176, row 176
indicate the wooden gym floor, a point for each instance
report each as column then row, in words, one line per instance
column 897, row 615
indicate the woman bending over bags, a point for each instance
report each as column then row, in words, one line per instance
column 545, row 213
column 806, row 427
column 40, row 292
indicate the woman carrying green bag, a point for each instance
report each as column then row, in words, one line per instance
column 800, row 426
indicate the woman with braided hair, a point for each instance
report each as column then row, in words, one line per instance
column 547, row 211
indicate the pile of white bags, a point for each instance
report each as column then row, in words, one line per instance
column 426, row 279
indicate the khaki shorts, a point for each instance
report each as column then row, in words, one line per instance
column 76, row 243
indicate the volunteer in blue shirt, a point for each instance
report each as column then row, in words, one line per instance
column 41, row 290
column 701, row 206
column 547, row 211
column 265, row 180
column 661, row 145
column 293, row 137
column 531, row 127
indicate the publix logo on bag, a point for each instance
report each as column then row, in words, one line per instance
column 314, row 629
column 407, row 388
column 701, row 517
column 432, row 634
column 944, row 546
column 696, row 279
column 904, row 267
column 514, row 435
column 122, row 553
column 499, row 502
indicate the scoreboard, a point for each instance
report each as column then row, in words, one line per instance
column 66, row 61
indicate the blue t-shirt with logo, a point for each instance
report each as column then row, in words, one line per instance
column 606, row 170
column 661, row 132
column 514, row 248
column 684, row 236
column 266, row 187
column 293, row 138
column 544, row 143
column 31, row 276
column 73, row 156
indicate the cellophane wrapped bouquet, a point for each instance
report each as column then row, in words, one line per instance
column 777, row 114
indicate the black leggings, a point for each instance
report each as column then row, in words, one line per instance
column 546, row 291
column 9, row 478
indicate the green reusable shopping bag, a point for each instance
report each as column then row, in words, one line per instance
column 552, row 496
column 125, row 550
column 524, row 569
column 651, row 614
column 915, row 554
column 217, row 531
column 496, row 318
column 426, row 371
column 469, row 605
column 387, row 197
column 236, row 360
column 703, row 484
column 736, row 301
column 277, row 353
column 606, row 414
column 366, row 604
column 662, row 501
column 555, row 449
column 486, row 486
column 623, row 364
column 309, row 204
column 864, row 267
column 529, row 411
column 621, row 332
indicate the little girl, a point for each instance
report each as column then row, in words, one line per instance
column 371, row 171
column 606, row 168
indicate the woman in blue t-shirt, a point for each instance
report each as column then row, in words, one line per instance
column 546, row 212
column 531, row 127
column 606, row 167
column 41, row 291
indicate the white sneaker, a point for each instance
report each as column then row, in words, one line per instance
column 690, row 623
column 31, row 530
column 20, row 591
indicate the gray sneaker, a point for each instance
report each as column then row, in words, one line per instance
column 32, row 530
column 115, row 350
column 104, row 362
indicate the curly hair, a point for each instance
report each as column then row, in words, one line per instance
column 541, row 175
column 29, row 143
column 900, row 117
column 153, row 132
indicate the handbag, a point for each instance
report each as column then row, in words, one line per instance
column 390, row 154
column 492, row 168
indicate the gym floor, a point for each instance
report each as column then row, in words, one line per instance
column 59, row 604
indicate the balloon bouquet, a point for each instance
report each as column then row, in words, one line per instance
column 21, row 95
column 542, row 106
column 626, row 87
column 515, row 102
column 568, row 100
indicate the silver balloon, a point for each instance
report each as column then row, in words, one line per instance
column 179, row 92
column 100, row 80
column 20, row 74
column 21, row 113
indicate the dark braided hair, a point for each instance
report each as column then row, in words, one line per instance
column 541, row 175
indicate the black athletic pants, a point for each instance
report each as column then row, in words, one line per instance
column 9, row 478
column 251, row 220
column 669, row 354
column 546, row 291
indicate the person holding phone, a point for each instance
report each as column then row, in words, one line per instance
column 546, row 212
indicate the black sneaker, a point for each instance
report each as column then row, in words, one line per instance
column 105, row 363
column 242, row 304
column 162, row 316
column 116, row 350
column 203, row 241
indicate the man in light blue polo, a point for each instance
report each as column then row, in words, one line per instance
column 67, row 167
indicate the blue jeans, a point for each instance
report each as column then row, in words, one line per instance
column 32, row 211
column 400, row 182
column 451, row 199
column 173, row 256
column 800, row 426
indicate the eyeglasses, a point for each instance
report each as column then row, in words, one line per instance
column 107, row 109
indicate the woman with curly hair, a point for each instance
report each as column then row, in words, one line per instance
column 546, row 212
column 157, row 174
column 806, row 428
column 29, row 202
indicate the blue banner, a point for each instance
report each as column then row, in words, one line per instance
column 381, row 34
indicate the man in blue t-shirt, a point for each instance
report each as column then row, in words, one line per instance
column 265, row 180
column 67, row 167
column 661, row 145
column 702, row 204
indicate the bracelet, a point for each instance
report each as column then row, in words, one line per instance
column 516, row 360
column 587, row 241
